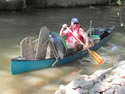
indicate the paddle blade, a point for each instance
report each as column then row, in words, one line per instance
column 95, row 57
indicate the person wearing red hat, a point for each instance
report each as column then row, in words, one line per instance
column 78, row 31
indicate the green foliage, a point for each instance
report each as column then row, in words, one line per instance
column 122, row 24
column 119, row 2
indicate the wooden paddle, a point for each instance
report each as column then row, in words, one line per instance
column 92, row 54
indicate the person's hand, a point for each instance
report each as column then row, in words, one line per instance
column 85, row 48
column 64, row 25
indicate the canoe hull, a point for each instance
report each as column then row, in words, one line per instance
column 20, row 66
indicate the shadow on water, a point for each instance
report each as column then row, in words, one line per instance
column 14, row 26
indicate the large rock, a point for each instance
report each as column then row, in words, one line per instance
column 110, row 81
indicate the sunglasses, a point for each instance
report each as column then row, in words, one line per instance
column 75, row 23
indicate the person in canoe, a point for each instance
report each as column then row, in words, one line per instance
column 76, row 30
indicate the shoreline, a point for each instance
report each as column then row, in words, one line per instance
column 109, row 81
column 16, row 5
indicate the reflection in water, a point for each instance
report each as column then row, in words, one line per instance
column 14, row 26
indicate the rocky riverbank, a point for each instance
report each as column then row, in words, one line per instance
column 21, row 4
column 110, row 81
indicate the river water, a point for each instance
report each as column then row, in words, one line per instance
column 14, row 26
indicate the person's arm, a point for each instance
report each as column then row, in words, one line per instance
column 63, row 32
column 85, row 37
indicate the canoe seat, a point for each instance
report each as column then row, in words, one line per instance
column 35, row 50
column 48, row 45
column 42, row 44
column 26, row 49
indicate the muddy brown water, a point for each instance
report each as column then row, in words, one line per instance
column 14, row 26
